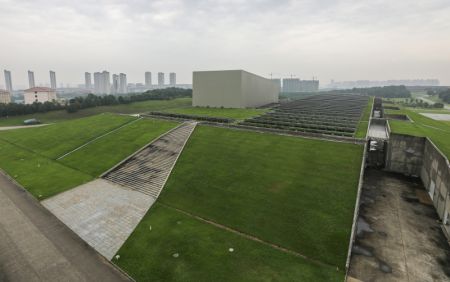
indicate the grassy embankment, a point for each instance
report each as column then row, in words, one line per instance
column 137, row 107
column 238, row 114
column 30, row 155
column 292, row 192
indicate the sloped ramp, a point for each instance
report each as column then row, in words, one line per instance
column 104, row 212
column 148, row 170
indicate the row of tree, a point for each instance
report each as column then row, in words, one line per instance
column 444, row 95
column 92, row 100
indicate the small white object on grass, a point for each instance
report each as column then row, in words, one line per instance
column 117, row 257
column 150, row 228
column 231, row 250
column 175, row 255
column 40, row 196
column 178, row 222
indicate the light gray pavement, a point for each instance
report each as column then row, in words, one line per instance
column 378, row 131
column 102, row 213
column 36, row 246
column 21, row 126
column 398, row 235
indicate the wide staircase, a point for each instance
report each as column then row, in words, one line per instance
column 148, row 170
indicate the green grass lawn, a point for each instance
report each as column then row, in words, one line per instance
column 293, row 192
column 137, row 107
column 361, row 130
column 107, row 151
column 437, row 131
column 41, row 176
column 238, row 114
column 29, row 154
column 56, row 139
column 203, row 254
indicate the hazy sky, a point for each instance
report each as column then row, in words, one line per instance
column 341, row 40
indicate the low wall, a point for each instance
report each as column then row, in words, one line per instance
column 405, row 154
column 435, row 175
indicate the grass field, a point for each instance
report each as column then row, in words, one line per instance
column 203, row 254
column 437, row 131
column 56, row 139
column 104, row 153
column 137, row 107
column 293, row 192
column 28, row 155
column 238, row 114
column 361, row 130
column 41, row 176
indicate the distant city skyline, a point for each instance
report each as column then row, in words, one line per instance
column 340, row 40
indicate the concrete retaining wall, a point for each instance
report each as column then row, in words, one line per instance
column 405, row 154
column 435, row 175
column 418, row 156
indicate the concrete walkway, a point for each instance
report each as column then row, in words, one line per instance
column 102, row 213
column 398, row 236
column 21, row 126
column 36, row 246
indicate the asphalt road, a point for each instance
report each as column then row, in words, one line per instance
column 36, row 246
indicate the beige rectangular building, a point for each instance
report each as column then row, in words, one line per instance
column 232, row 89
column 39, row 95
column 5, row 97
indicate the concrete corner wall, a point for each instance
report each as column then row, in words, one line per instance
column 405, row 154
column 232, row 89
column 258, row 91
column 435, row 175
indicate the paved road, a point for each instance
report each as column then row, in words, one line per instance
column 36, row 246
column 21, row 126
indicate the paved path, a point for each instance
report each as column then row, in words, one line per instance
column 21, row 126
column 36, row 246
column 102, row 213
column 398, row 235
column 378, row 131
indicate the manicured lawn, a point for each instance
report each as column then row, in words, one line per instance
column 104, row 153
column 361, row 130
column 56, row 139
column 203, row 254
column 41, row 176
column 293, row 192
column 218, row 112
column 437, row 131
column 137, row 107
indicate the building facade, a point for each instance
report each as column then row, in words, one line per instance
column 39, row 95
column 160, row 78
column 115, row 84
column 5, row 97
column 123, row 86
column 31, row 83
column 172, row 79
column 87, row 80
column 8, row 81
column 148, row 79
column 52, row 80
column 293, row 85
column 232, row 89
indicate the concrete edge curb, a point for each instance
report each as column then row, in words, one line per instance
column 32, row 198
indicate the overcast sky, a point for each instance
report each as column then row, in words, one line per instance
column 341, row 40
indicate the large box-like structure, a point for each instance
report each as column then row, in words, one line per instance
column 232, row 89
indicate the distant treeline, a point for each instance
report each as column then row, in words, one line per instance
column 444, row 95
column 92, row 100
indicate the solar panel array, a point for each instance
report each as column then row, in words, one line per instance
column 329, row 114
